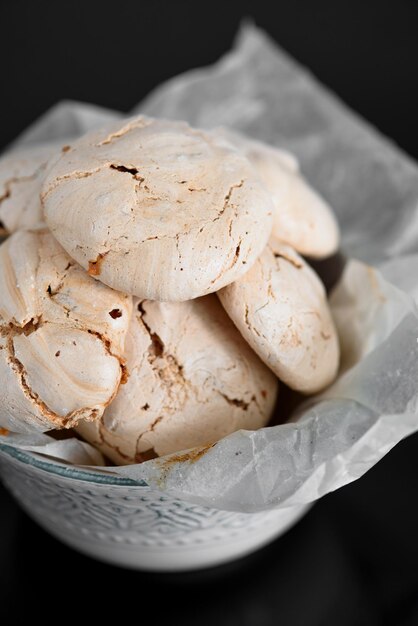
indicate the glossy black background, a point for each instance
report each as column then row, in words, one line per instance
column 354, row 558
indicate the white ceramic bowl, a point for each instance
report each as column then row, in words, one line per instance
column 118, row 521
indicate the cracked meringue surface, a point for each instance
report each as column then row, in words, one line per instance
column 62, row 336
column 192, row 380
column 301, row 217
column 157, row 209
column 21, row 176
column 280, row 307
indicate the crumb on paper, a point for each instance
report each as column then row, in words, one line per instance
column 190, row 457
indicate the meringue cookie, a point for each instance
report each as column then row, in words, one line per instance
column 301, row 218
column 21, row 176
column 157, row 209
column 193, row 379
column 280, row 308
column 62, row 337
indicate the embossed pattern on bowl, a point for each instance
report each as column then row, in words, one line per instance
column 118, row 521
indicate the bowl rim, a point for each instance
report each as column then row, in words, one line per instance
column 70, row 472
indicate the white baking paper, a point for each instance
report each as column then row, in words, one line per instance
column 73, row 450
column 337, row 436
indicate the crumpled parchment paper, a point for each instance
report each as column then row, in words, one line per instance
column 373, row 187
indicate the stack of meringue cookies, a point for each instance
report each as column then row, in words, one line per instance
column 152, row 295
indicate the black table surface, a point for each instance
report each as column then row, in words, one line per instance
column 353, row 559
